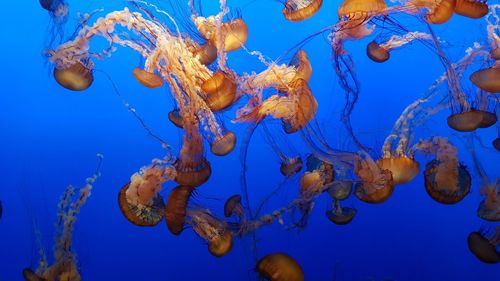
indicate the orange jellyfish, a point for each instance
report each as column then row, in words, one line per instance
column 75, row 77
column 224, row 144
column 147, row 79
column 438, row 11
column 403, row 168
column 192, row 168
column 489, row 208
column 340, row 189
column 483, row 246
column 487, row 79
column 376, row 185
column 446, row 180
column 212, row 230
column 220, row 91
column 289, row 166
column 233, row 207
column 140, row 200
column 279, row 267
column 175, row 209
column 176, row 118
column 206, row 53
column 471, row 8
column 233, row 34
column 341, row 215
column 380, row 52
column 299, row 10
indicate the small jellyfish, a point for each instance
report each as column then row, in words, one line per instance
column 446, row 183
column 341, row 215
column 233, row 207
column 377, row 53
column 212, row 230
column 77, row 77
column 471, row 8
column 140, row 200
column 176, row 118
column 175, row 209
column 299, row 10
column 233, row 33
column 220, row 91
column 496, row 143
column 291, row 166
column 340, row 190
column 403, row 169
column 484, row 248
column 279, row 267
column 147, row 79
column 376, row 185
column 439, row 11
column 489, row 208
column 487, row 79
column 224, row 144
column 206, row 53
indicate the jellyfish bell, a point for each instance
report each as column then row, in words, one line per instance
column 306, row 107
column 176, row 118
column 310, row 183
column 361, row 10
column 77, row 77
column 340, row 190
column 220, row 91
column 299, row 10
column 471, row 8
column 444, row 186
column 377, row 53
column 192, row 173
column 302, row 65
column 403, row 169
column 236, row 34
column 221, row 245
column 279, row 267
column 141, row 214
column 466, row 121
column 345, row 217
column 291, row 166
column 29, row 275
column 175, row 209
column 496, row 143
column 233, row 206
column 439, row 11
column 147, row 79
column 489, row 208
column 46, row 4
column 206, row 53
column 487, row 79
column 488, row 119
column 223, row 145
column 367, row 193
column 482, row 248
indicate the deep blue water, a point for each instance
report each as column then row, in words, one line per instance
column 50, row 136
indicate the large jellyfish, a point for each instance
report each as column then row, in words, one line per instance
column 299, row 10
column 279, row 267
column 140, row 200
column 483, row 246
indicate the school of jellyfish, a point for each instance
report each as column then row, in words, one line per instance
column 191, row 64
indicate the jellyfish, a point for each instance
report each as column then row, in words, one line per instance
column 206, row 53
column 340, row 189
column 58, row 12
column 380, row 52
column 403, row 168
column 64, row 266
column 474, row 9
column 176, row 118
column 376, row 184
column 488, row 79
column 140, row 200
column 220, row 91
column 446, row 180
column 192, row 168
column 230, row 35
column 483, row 246
column 233, row 207
column 340, row 215
column 212, row 230
column 279, row 267
column 289, row 166
column 175, row 209
column 75, row 77
column 147, row 79
column 299, row 10
column 438, row 11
